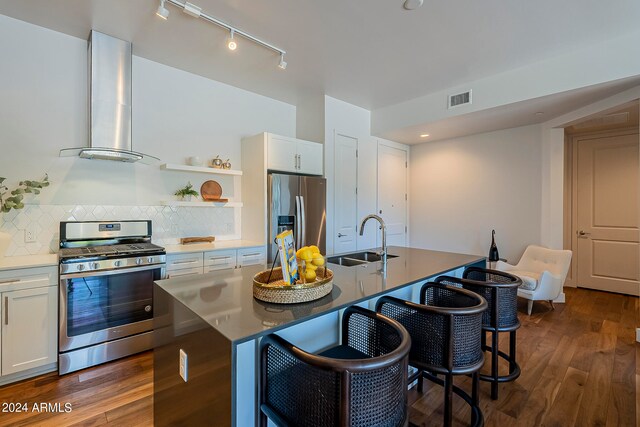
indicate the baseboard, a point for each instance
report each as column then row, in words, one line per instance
column 638, row 334
column 560, row 299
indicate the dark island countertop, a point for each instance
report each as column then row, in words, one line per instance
column 224, row 299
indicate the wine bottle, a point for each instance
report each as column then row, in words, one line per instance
column 493, row 250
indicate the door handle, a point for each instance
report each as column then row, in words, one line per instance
column 583, row 234
column 341, row 235
column 6, row 310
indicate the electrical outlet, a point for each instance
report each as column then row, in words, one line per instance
column 184, row 365
column 30, row 234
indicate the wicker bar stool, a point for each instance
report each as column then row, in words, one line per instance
column 362, row 382
column 500, row 289
column 445, row 331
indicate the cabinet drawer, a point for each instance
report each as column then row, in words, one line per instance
column 184, row 272
column 184, row 261
column 251, row 256
column 28, row 278
column 219, row 260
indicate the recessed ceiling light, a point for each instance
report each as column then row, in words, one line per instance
column 539, row 113
column 424, row 135
column 412, row 4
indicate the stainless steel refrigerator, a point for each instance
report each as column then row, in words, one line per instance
column 297, row 203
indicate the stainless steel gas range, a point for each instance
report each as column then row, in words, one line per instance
column 107, row 270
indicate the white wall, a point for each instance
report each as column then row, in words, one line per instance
column 462, row 188
column 43, row 88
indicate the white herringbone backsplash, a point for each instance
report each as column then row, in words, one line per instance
column 170, row 223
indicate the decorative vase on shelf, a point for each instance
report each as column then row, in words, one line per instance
column 493, row 250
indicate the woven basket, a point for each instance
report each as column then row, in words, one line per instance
column 276, row 291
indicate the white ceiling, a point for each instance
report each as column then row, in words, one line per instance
column 371, row 53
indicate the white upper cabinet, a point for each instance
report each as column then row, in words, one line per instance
column 294, row 155
column 282, row 153
column 310, row 158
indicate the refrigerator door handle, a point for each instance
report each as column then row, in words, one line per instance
column 303, row 234
column 298, row 225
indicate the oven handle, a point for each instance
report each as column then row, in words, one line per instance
column 111, row 272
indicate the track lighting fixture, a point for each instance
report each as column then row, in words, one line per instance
column 231, row 42
column 162, row 11
column 282, row 65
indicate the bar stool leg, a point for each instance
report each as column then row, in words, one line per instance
column 494, row 364
column 263, row 419
column 512, row 351
column 448, row 394
column 420, row 383
column 475, row 396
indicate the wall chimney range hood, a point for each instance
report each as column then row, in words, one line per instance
column 109, row 103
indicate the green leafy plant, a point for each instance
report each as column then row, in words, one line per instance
column 15, row 200
column 185, row 191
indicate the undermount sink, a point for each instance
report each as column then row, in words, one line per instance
column 357, row 258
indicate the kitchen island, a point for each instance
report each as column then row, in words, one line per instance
column 214, row 319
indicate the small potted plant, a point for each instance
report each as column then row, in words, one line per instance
column 14, row 200
column 186, row 192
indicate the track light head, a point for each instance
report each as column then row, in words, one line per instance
column 282, row 65
column 162, row 11
column 231, row 42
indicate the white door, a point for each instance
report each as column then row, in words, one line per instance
column 310, row 158
column 345, row 197
column 392, row 192
column 29, row 328
column 607, row 213
column 282, row 154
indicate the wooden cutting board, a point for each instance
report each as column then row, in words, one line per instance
column 187, row 240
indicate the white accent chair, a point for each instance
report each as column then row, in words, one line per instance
column 543, row 272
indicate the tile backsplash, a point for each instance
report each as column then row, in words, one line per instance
column 170, row 223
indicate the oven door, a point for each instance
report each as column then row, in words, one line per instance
column 97, row 307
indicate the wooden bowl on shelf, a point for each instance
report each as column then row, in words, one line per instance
column 211, row 192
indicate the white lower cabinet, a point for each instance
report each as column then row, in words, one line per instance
column 222, row 259
column 29, row 316
column 219, row 260
column 251, row 256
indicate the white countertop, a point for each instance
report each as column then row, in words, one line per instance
column 28, row 261
column 45, row 260
column 205, row 247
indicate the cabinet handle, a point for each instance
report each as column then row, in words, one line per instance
column 191, row 261
column 295, row 161
column 6, row 310
column 9, row 281
column 299, row 161
column 256, row 254
column 219, row 257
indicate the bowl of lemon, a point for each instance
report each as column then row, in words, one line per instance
column 314, row 281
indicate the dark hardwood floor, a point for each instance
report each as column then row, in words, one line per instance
column 580, row 367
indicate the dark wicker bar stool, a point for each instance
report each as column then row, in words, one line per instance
column 362, row 382
column 445, row 331
column 500, row 289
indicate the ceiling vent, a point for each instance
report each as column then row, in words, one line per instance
column 459, row 99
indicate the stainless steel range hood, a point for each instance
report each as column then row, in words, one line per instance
column 109, row 103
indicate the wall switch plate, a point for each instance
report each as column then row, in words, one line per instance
column 184, row 365
column 30, row 234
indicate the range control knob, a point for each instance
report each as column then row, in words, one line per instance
column 150, row 259
column 95, row 265
column 80, row 267
column 117, row 263
column 139, row 261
